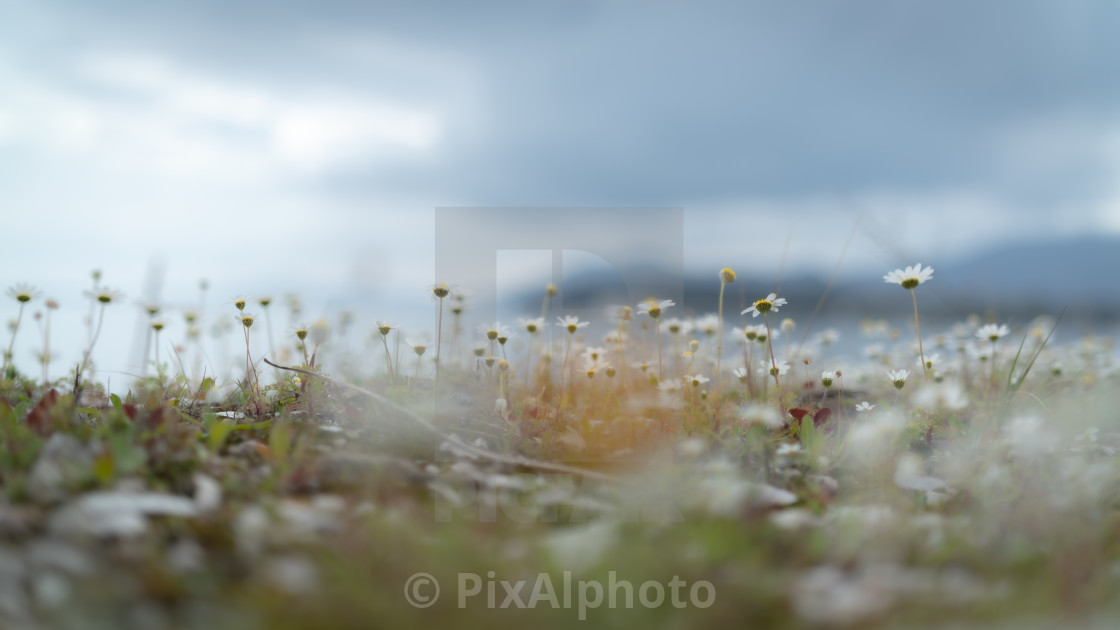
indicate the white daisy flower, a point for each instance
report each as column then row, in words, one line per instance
column 898, row 377
column 696, row 379
column 765, row 305
column 827, row 378
column 910, row 277
column 932, row 361
column 740, row 373
column 571, row 323
column 992, row 332
column 653, row 308
column 768, row 368
column 864, row 406
column 532, row 325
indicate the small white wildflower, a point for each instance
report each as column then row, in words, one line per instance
column 571, row 323
column 765, row 305
column 769, row 368
column 992, row 332
column 910, row 277
column 898, row 377
column 653, row 308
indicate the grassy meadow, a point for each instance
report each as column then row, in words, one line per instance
column 721, row 470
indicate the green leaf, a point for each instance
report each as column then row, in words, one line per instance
column 116, row 401
column 217, row 430
column 280, row 441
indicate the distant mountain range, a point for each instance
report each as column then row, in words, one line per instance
column 1015, row 281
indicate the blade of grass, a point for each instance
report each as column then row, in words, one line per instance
column 1014, row 387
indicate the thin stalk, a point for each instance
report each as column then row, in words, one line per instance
column 918, row 328
column 564, row 366
column 96, row 334
column 12, row 343
column 388, row 357
column 993, row 364
column 528, row 360
column 770, row 343
column 439, row 340
column 719, row 338
column 621, row 351
column 46, row 346
column 157, row 357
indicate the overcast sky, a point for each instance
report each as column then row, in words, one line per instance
column 292, row 146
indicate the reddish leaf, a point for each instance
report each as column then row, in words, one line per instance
column 40, row 413
column 798, row 412
column 822, row 416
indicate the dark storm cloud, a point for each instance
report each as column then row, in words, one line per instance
column 657, row 102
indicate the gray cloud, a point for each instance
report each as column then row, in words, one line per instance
column 671, row 102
